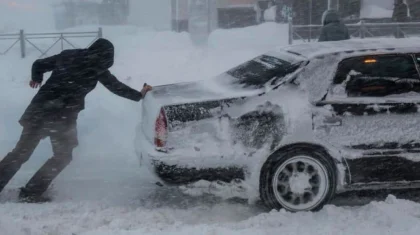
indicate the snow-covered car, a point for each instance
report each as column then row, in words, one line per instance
column 298, row 125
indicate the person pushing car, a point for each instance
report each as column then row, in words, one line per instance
column 54, row 110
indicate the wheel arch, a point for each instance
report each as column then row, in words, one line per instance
column 340, row 164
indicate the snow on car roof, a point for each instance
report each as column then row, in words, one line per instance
column 318, row 75
column 380, row 45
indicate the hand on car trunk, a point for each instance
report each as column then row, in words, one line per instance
column 146, row 88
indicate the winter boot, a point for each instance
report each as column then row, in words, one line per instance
column 26, row 196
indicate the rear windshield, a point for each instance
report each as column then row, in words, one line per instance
column 257, row 72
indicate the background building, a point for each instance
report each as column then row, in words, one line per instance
column 224, row 13
column 178, row 14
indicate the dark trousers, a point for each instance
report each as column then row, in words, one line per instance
column 63, row 141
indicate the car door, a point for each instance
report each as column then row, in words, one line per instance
column 371, row 114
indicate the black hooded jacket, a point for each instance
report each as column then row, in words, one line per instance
column 75, row 73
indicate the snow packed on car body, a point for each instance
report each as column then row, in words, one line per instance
column 298, row 124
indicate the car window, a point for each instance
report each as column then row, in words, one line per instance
column 377, row 75
column 257, row 72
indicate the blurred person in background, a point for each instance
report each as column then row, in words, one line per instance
column 400, row 15
column 333, row 29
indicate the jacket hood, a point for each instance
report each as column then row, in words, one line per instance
column 101, row 53
column 330, row 16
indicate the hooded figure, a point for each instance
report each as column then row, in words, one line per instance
column 54, row 110
column 333, row 29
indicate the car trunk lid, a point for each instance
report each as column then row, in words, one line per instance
column 177, row 115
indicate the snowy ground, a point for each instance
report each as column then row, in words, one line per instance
column 103, row 191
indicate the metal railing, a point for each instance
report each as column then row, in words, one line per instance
column 15, row 38
column 63, row 38
column 308, row 33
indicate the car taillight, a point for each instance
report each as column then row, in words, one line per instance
column 161, row 130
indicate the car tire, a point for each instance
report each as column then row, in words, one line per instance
column 298, row 179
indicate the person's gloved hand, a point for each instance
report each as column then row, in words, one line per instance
column 34, row 84
column 146, row 88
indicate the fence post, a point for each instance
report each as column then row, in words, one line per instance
column 62, row 41
column 290, row 32
column 22, row 43
column 362, row 29
column 100, row 33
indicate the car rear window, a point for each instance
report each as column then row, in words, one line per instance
column 257, row 72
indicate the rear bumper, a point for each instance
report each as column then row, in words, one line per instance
column 160, row 164
column 178, row 170
column 147, row 155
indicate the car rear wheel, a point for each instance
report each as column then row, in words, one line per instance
column 298, row 180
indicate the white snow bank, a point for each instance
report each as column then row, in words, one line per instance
column 256, row 37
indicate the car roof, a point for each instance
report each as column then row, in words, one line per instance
column 356, row 46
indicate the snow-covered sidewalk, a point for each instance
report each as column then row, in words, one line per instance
column 391, row 217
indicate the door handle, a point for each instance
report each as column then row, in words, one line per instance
column 332, row 121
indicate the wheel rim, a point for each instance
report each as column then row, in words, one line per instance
column 301, row 183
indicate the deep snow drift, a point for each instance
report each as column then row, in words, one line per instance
column 103, row 191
